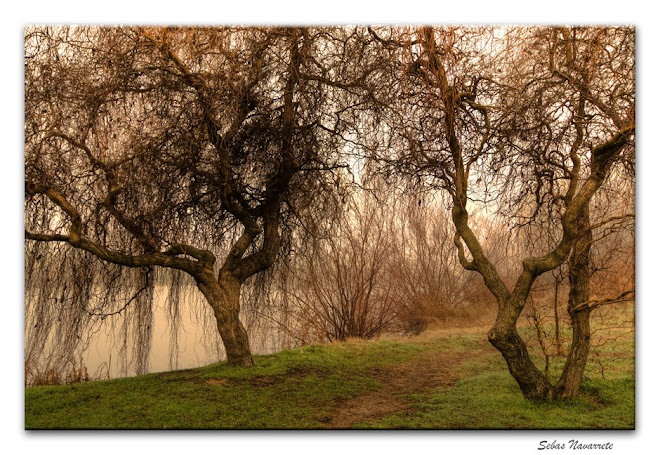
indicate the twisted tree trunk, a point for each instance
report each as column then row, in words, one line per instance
column 223, row 295
column 575, row 244
column 505, row 338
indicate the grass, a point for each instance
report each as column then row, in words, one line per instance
column 298, row 388
column 489, row 398
column 304, row 388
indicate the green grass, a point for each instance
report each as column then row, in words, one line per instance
column 298, row 388
column 489, row 398
column 303, row 388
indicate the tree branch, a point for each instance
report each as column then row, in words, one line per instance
column 467, row 265
column 75, row 239
column 591, row 304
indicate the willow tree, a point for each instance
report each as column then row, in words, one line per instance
column 188, row 149
column 524, row 115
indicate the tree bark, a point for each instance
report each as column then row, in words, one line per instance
column 579, row 278
column 224, row 297
column 505, row 338
column 558, row 347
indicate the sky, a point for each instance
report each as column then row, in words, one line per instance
column 637, row 12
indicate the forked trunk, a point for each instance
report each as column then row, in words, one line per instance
column 504, row 336
column 224, row 298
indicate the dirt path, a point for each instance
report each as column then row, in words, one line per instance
column 400, row 381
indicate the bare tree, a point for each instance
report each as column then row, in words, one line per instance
column 607, row 273
column 545, row 112
column 177, row 148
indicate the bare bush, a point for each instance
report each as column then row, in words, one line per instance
column 340, row 284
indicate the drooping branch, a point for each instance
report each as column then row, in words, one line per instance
column 231, row 197
column 144, row 288
column 113, row 192
column 75, row 239
column 59, row 199
column 612, row 219
column 120, row 258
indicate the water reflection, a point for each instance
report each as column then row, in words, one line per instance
column 189, row 342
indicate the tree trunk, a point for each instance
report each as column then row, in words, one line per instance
column 224, row 297
column 579, row 278
column 504, row 337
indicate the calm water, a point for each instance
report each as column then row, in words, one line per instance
column 198, row 343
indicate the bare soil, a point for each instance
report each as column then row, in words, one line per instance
column 399, row 382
